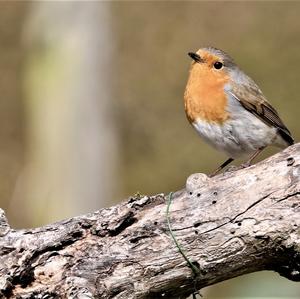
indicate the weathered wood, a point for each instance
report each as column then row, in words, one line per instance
column 235, row 223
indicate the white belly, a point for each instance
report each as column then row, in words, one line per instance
column 241, row 135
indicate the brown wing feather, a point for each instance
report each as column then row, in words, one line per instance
column 252, row 99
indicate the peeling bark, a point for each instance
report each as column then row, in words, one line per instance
column 235, row 223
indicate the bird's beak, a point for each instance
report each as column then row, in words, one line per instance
column 195, row 57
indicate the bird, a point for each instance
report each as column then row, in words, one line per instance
column 228, row 109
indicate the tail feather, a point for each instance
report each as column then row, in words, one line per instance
column 286, row 136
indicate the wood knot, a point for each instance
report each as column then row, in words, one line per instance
column 196, row 181
column 290, row 161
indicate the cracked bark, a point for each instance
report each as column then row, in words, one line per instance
column 236, row 223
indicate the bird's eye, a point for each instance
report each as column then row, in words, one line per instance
column 218, row 65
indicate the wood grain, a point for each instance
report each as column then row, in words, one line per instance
column 235, row 223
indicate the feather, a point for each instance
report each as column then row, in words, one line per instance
column 253, row 100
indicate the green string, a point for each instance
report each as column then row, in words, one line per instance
column 195, row 269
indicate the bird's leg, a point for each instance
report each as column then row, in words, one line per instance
column 244, row 165
column 228, row 161
column 252, row 157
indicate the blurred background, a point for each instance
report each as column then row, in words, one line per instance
column 91, row 105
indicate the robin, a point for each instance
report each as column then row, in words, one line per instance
column 228, row 109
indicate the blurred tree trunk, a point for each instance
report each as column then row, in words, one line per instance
column 12, row 16
column 71, row 154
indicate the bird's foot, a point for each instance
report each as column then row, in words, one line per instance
column 232, row 168
column 245, row 165
column 236, row 168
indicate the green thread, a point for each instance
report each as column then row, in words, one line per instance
column 195, row 270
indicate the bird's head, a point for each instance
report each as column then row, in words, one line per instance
column 211, row 62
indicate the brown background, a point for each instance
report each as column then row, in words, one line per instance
column 91, row 106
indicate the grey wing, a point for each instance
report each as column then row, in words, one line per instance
column 252, row 99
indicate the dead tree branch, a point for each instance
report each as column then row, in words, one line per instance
column 236, row 223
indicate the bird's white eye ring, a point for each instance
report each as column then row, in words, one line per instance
column 218, row 65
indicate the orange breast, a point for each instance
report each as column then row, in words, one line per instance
column 204, row 96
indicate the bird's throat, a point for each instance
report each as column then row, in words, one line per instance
column 204, row 95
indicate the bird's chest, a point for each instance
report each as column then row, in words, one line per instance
column 205, row 99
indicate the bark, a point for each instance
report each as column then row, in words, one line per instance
column 235, row 223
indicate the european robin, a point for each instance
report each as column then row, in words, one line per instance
column 228, row 110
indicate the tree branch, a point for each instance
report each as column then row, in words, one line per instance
column 236, row 223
